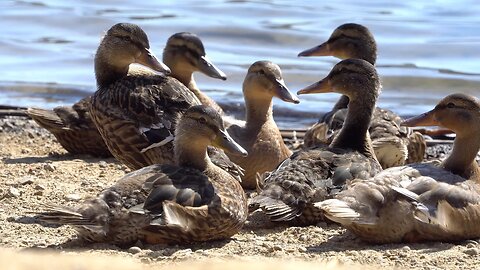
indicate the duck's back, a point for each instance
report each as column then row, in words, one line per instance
column 310, row 176
column 137, row 115
column 73, row 128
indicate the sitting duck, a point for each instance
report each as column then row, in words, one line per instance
column 191, row 201
column 423, row 201
column 260, row 135
column 136, row 113
column 73, row 127
column 312, row 175
column 394, row 145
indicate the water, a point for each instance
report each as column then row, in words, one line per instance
column 426, row 50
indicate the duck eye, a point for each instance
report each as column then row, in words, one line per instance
column 261, row 72
column 202, row 120
column 450, row 105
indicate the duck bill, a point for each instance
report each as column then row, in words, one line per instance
column 425, row 119
column 148, row 59
column 209, row 69
column 320, row 50
column 322, row 86
column 225, row 142
column 284, row 94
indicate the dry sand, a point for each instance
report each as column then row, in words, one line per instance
column 36, row 170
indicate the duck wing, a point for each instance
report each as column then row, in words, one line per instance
column 307, row 177
column 137, row 117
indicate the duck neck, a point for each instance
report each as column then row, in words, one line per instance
column 258, row 111
column 342, row 103
column 354, row 133
column 105, row 72
column 461, row 161
column 191, row 153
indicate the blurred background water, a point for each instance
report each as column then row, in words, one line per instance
column 426, row 50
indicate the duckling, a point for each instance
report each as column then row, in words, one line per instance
column 191, row 201
column 73, row 128
column 185, row 54
column 136, row 114
column 420, row 201
column 315, row 174
column 260, row 135
column 394, row 145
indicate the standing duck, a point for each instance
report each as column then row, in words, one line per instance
column 421, row 201
column 191, row 201
column 316, row 174
column 73, row 127
column 394, row 145
column 260, row 135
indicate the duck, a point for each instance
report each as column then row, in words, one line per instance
column 73, row 128
column 423, row 201
column 315, row 174
column 394, row 145
column 191, row 201
column 260, row 135
column 136, row 113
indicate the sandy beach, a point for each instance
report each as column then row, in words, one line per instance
column 35, row 170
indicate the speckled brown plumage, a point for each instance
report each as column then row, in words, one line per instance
column 73, row 128
column 394, row 145
column 136, row 112
column 192, row 201
column 419, row 202
column 260, row 135
column 316, row 174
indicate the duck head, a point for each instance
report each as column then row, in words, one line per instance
column 350, row 77
column 185, row 54
column 124, row 44
column 264, row 80
column 205, row 126
column 349, row 40
column 457, row 112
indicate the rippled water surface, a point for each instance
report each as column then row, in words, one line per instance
column 426, row 50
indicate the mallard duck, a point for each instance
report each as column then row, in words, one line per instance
column 136, row 114
column 394, row 145
column 260, row 135
column 185, row 54
column 316, row 174
column 193, row 200
column 421, row 201
column 73, row 128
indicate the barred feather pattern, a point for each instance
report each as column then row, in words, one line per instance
column 160, row 204
column 73, row 128
column 428, row 202
column 308, row 177
column 138, row 111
